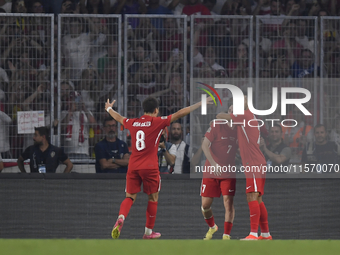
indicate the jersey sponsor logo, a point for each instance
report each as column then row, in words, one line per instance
column 142, row 124
column 164, row 117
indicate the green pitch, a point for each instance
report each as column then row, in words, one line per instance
column 166, row 247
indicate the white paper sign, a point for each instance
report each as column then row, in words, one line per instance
column 28, row 120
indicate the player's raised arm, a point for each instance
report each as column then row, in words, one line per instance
column 223, row 115
column 185, row 111
column 113, row 113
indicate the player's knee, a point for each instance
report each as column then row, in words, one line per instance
column 205, row 208
column 153, row 197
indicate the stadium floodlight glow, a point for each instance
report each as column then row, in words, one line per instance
column 238, row 100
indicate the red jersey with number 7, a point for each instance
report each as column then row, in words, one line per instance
column 145, row 134
column 223, row 149
column 248, row 139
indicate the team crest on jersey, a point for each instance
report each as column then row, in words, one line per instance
column 164, row 117
column 52, row 154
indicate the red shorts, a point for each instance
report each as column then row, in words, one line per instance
column 212, row 187
column 150, row 178
column 255, row 184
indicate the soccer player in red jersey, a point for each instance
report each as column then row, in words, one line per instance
column 219, row 147
column 143, row 165
column 253, row 161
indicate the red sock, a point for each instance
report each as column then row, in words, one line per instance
column 125, row 207
column 227, row 227
column 263, row 218
column 254, row 210
column 151, row 212
column 210, row 221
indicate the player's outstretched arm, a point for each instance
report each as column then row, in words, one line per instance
column 113, row 113
column 185, row 111
column 223, row 115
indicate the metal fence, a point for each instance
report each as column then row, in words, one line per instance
column 70, row 67
column 27, row 84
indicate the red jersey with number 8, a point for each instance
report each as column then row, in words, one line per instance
column 145, row 134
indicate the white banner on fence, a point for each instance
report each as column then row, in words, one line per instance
column 28, row 120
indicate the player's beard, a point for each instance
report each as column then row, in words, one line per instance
column 111, row 135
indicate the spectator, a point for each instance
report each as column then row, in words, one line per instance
column 95, row 6
column 76, row 47
column 194, row 7
column 277, row 153
column 220, row 40
column 210, row 54
column 112, row 154
column 37, row 7
column 110, row 55
column 69, row 6
column 6, row 5
column 321, row 151
column 89, row 88
column 301, row 35
column 5, row 120
column 289, row 41
column 140, row 55
column 166, row 154
column 304, row 65
column 44, row 157
column 240, row 67
column 262, row 8
column 77, row 121
column 18, row 6
column 130, row 7
column 272, row 25
column 297, row 137
column 155, row 8
column 171, row 39
column 182, row 162
column 332, row 61
column 146, row 81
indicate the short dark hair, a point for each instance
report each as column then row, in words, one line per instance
column 277, row 125
column 319, row 126
column 108, row 118
column 43, row 131
column 150, row 104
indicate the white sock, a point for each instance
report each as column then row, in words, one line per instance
column 148, row 231
column 265, row 234
column 121, row 216
column 214, row 226
column 253, row 233
column 226, row 235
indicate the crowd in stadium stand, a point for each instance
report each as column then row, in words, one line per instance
column 155, row 61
